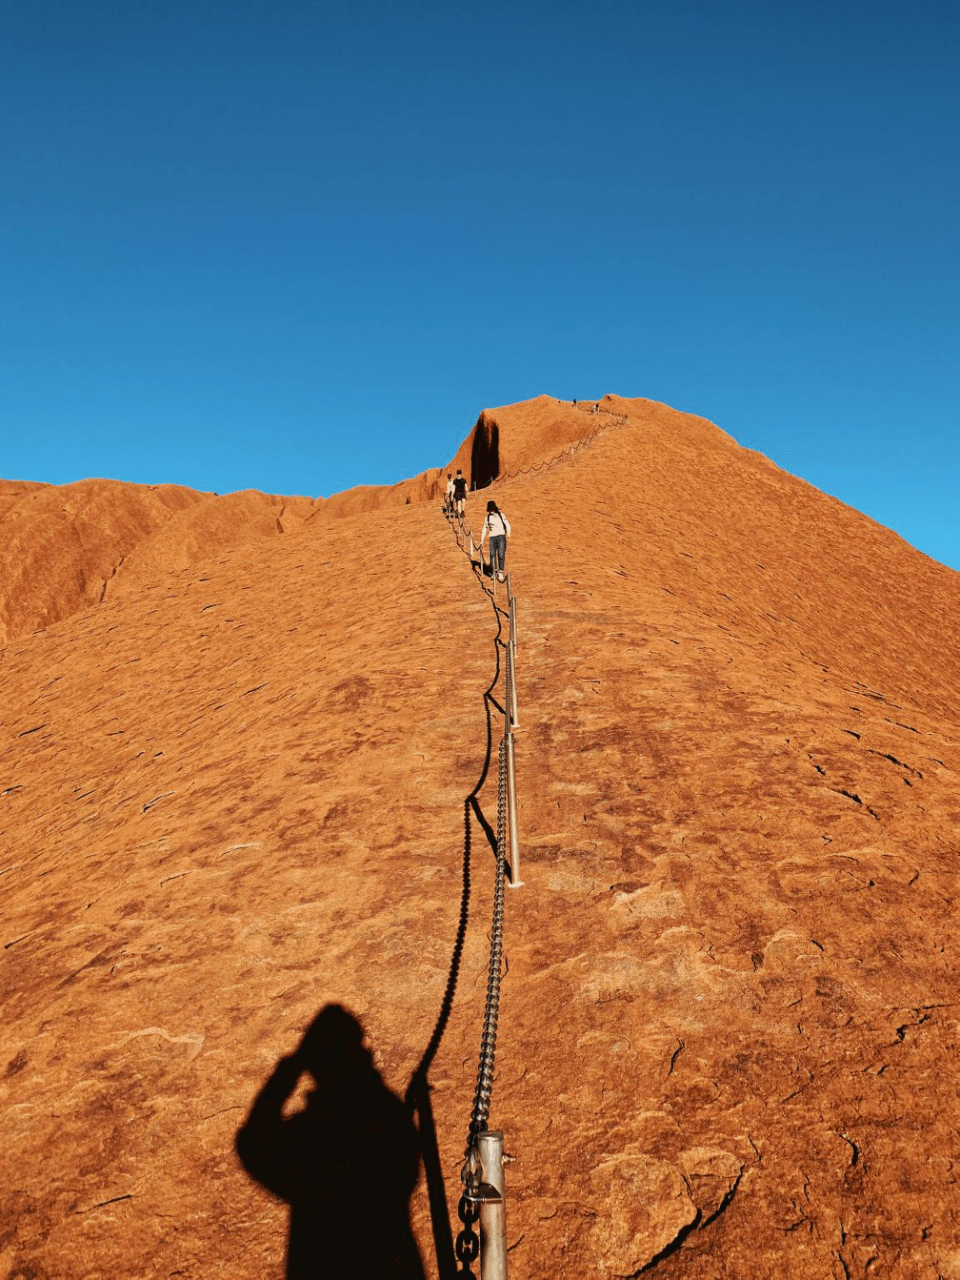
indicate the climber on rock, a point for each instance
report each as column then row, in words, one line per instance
column 498, row 527
column 459, row 492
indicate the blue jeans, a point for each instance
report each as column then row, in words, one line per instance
column 498, row 551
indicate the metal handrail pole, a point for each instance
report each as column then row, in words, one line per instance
column 515, row 881
column 508, row 696
column 512, row 688
column 493, row 1214
column 513, row 623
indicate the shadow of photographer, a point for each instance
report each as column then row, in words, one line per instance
column 346, row 1163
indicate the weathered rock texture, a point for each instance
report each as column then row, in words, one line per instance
column 235, row 793
column 67, row 547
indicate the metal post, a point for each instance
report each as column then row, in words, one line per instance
column 513, row 620
column 471, row 544
column 512, row 688
column 515, row 881
column 493, row 1215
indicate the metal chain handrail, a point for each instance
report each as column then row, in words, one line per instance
column 491, row 1015
column 619, row 420
column 481, row 1173
column 468, row 1210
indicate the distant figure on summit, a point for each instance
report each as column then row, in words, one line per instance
column 498, row 527
column 459, row 492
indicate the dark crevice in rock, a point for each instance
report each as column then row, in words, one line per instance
column 671, row 1248
column 103, row 1203
column 698, row 1221
column 13, row 942
column 854, row 1149
column 885, row 755
column 675, row 1055
column 484, row 453
column 901, row 725
column 901, row 1031
column 725, row 1202
column 107, row 581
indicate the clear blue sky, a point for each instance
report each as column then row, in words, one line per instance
column 299, row 246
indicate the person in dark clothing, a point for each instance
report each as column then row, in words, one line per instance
column 346, row 1164
column 459, row 492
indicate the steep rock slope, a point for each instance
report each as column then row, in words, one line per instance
column 65, row 547
column 215, row 524
column 236, row 794
column 739, row 759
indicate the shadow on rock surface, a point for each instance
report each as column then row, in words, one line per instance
column 346, row 1164
column 485, row 453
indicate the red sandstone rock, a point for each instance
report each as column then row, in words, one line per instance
column 234, row 794
column 67, row 547
column 216, row 524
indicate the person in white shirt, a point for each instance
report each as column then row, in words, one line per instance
column 448, row 497
column 498, row 527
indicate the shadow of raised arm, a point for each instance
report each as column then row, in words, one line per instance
column 346, row 1163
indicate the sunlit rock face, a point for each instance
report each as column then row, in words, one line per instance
column 64, row 548
column 232, row 786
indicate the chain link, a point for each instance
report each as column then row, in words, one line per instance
column 491, row 1015
column 468, row 1242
